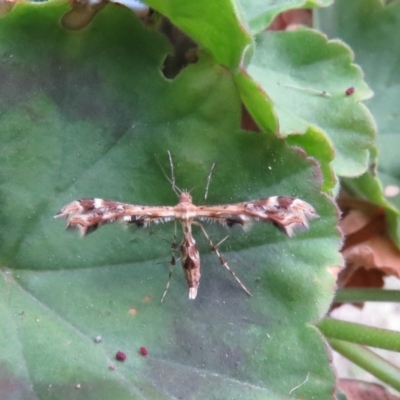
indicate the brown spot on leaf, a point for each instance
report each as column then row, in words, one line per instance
column 147, row 298
column 133, row 311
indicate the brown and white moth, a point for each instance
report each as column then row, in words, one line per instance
column 288, row 214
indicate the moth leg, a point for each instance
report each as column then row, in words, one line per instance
column 222, row 260
column 172, row 264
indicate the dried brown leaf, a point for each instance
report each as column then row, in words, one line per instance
column 291, row 20
column 367, row 245
column 359, row 390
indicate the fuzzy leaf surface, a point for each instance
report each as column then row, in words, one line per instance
column 88, row 114
column 306, row 77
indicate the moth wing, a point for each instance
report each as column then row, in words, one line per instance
column 87, row 215
column 288, row 214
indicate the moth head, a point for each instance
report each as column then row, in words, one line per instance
column 185, row 197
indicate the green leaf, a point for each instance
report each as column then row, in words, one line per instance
column 371, row 28
column 314, row 142
column 216, row 26
column 290, row 74
column 306, row 78
column 257, row 102
column 88, row 114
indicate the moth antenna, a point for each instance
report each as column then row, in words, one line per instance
column 171, row 181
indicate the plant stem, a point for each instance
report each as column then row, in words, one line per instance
column 361, row 334
column 362, row 295
column 368, row 360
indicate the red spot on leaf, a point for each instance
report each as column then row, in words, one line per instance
column 350, row 91
column 120, row 356
column 143, row 351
